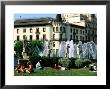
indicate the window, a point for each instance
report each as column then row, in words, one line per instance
column 24, row 36
column 77, row 31
column 37, row 30
column 86, row 31
column 17, row 38
column 44, row 29
column 76, row 37
column 60, row 29
column 60, row 36
column 86, row 38
column 30, row 30
column 83, row 39
column 56, row 29
column 53, row 44
column 70, row 37
column 17, row 31
column 80, row 37
column 53, row 29
column 30, row 37
column 44, row 37
column 37, row 37
column 53, row 36
column 74, row 30
column 24, row 30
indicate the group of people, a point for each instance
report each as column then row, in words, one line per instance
column 23, row 69
column 39, row 66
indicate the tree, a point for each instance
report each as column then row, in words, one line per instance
column 33, row 48
column 18, row 48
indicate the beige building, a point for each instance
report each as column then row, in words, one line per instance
column 88, row 21
column 71, row 28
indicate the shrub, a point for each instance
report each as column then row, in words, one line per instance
column 86, row 62
column 79, row 63
column 64, row 62
column 72, row 63
column 18, row 48
column 49, row 61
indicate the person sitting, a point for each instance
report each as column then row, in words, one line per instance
column 30, row 68
column 38, row 65
column 20, row 68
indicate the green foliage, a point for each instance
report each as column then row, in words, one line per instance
column 49, row 61
column 86, row 62
column 64, row 62
column 18, row 48
column 33, row 49
column 79, row 63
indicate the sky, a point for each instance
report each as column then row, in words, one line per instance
column 28, row 16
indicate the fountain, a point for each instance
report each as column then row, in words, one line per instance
column 71, row 50
column 62, row 49
column 93, row 50
column 79, row 50
column 75, row 51
column 85, row 51
column 46, row 49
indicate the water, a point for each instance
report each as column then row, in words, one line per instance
column 46, row 49
column 71, row 50
column 62, row 49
